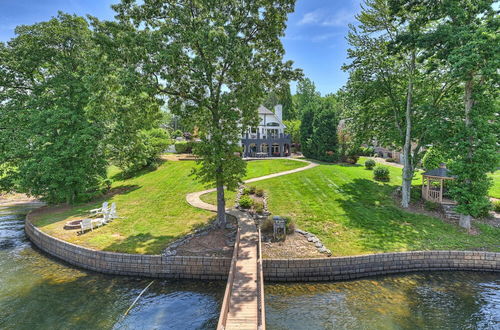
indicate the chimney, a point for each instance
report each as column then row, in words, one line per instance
column 278, row 110
column 442, row 165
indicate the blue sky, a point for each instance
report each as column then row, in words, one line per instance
column 315, row 37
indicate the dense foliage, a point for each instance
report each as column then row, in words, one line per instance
column 381, row 173
column 432, row 159
column 319, row 130
column 144, row 151
column 370, row 164
column 68, row 107
column 47, row 132
column 215, row 61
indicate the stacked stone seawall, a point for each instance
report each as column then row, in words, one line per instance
column 181, row 267
column 346, row 268
column 292, row 270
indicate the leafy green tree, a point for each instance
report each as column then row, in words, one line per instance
column 307, row 97
column 215, row 60
column 282, row 96
column 471, row 56
column 143, row 151
column 324, row 137
column 47, row 133
column 433, row 158
column 125, row 99
column 289, row 111
column 293, row 128
column 306, row 132
column 390, row 98
column 320, row 131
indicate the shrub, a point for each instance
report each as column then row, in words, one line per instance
column 259, row 207
column 381, row 173
column 290, row 225
column 370, row 164
column 252, row 189
column 267, row 225
column 391, row 160
column 245, row 191
column 431, row 206
column 496, row 206
column 416, row 194
column 259, row 192
column 176, row 134
column 143, row 150
column 246, row 202
column 184, row 147
column 353, row 159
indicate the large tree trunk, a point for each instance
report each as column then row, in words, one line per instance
column 221, row 201
column 465, row 219
column 407, row 157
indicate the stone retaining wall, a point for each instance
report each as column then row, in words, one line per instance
column 130, row 264
column 345, row 268
column 323, row 269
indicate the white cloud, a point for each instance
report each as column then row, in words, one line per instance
column 323, row 37
column 312, row 17
column 319, row 17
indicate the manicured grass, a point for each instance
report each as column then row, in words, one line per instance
column 153, row 205
column 353, row 214
column 495, row 189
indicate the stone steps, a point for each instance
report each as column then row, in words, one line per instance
column 450, row 213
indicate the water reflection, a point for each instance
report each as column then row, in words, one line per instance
column 440, row 300
column 38, row 292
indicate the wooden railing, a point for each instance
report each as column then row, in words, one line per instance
column 431, row 195
column 260, row 287
column 229, row 286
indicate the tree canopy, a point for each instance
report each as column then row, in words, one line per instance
column 215, row 61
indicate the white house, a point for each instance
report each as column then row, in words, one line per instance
column 268, row 139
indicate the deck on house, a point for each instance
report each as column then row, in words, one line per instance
column 243, row 305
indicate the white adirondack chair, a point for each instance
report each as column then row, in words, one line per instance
column 100, row 210
column 112, row 212
column 86, row 224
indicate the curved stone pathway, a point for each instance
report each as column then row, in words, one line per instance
column 243, row 292
column 194, row 198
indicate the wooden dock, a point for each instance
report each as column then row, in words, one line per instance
column 243, row 305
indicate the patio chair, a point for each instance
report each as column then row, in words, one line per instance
column 86, row 224
column 100, row 210
column 98, row 222
column 112, row 213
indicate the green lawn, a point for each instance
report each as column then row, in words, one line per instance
column 353, row 214
column 153, row 205
column 495, row 190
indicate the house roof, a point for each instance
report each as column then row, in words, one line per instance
column 265, row 111
column 439, row 172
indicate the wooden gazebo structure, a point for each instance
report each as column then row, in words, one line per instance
column 433, row 184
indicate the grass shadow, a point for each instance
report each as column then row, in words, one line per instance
column 385, row 227
column 120, row 176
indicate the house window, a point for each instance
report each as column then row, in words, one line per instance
column 275, row 148
column 273, row 133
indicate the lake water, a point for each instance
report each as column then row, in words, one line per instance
column 39, row 292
